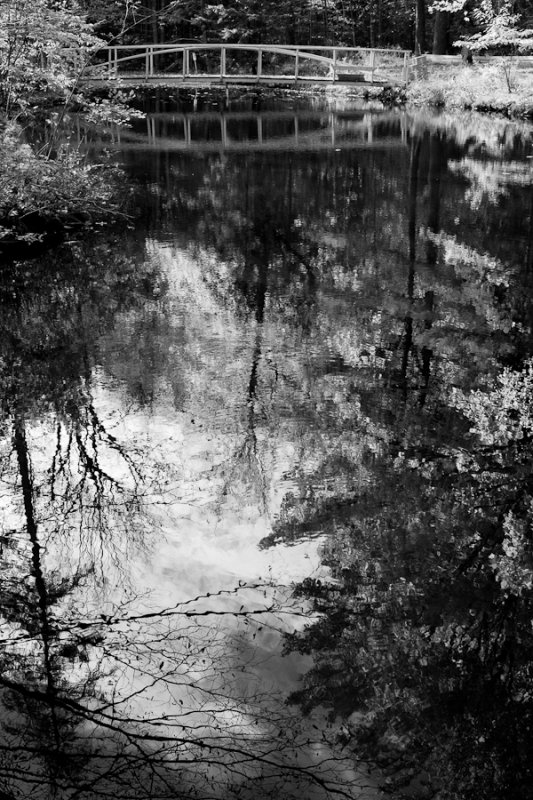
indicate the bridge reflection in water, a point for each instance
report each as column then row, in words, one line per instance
column 247, row 130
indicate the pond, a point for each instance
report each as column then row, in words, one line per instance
column 270, row 439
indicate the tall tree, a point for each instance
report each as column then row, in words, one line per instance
column 420, row 27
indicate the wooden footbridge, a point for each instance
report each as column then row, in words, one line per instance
column 205, row 65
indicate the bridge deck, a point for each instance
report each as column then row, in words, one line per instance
column 133, row 80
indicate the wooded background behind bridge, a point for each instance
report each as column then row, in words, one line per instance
column 405, row 24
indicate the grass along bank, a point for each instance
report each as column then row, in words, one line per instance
column 497, row 88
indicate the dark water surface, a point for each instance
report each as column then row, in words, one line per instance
column 296, row 389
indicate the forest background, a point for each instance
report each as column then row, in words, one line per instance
column 418, row 25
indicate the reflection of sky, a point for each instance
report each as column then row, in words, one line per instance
column 210, row 525
column 208, row 496
column 205, row 523
column 203, row 545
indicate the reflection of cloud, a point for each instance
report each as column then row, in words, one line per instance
column 187, row 275
column 199, row 545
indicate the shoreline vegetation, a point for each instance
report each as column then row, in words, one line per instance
column 46, row 194
column 489, row 89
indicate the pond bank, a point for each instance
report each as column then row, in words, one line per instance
column 492, row 90
column 495, row 89
column 481, row 89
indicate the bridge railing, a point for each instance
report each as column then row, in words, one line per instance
column 254, row 62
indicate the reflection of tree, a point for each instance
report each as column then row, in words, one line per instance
column 427, row 630
column 50, row 319
column 424, row 631
column 34, row 650
column 168, row 725
column 385, row 335
column 427, row 321
column 415, row 307
column 269, row 254
column 103, row 695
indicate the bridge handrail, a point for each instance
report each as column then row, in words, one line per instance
column 169, row 50
column 292, row 48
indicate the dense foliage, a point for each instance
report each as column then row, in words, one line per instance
column 39, row 52
column 412, row 24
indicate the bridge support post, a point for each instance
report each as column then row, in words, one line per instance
column 112, row 61
column 223, row 63
column 334, row 64
column 259, row 64
column 185, row 62
column 296, row 65
column 372, row 65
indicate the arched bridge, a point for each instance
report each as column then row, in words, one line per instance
column 210, row 64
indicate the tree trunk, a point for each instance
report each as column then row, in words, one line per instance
column 440, row 33
column 411, row 235
column 326, row 22
column 353, row 22
column 437, row 157
column 420, row 27
column 437, row 160
column 152, row 31
column 28, row 492
column 529, row 251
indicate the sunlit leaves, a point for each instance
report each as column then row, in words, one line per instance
column 513, row 565
column 41, row 46
column 500, row 29
column 504, row 413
